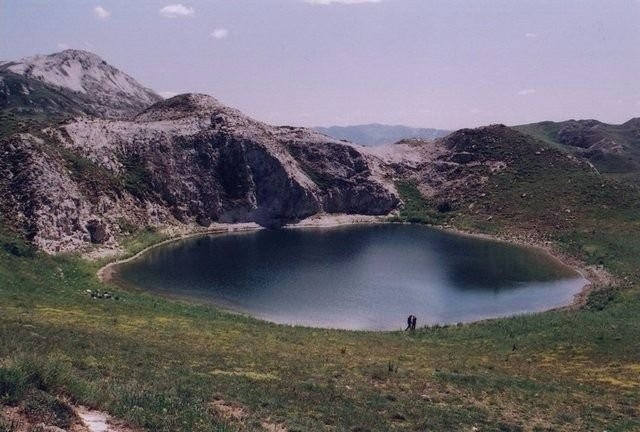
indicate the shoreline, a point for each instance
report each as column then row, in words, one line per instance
column 596, row 277
column 106, row 272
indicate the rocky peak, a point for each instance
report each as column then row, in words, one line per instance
column 184, row 105
column 470, row 139
column 633, row 123
column 103, row 89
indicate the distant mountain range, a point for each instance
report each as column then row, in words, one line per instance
column 377, row 134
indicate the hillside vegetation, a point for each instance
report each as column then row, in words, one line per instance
column 613, row 149
column 167, row 365
column 172, row 366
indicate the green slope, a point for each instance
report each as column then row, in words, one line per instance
column 594, row 141
column 27, row 104
column 161, row 364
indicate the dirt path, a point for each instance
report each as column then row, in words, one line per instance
column 85, row 420
column 98, row 421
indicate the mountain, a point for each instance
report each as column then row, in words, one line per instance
column 185, row 160
column 122, row 165
column 191, row 160
column 376, row 134
column 68, row 83
column 613, row 149
column 495, row 174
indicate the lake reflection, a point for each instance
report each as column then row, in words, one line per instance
column 357, row 277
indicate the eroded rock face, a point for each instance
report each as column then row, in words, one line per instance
column 52, row 202
column 185, row 160
column 343, row 174
column 97, row 231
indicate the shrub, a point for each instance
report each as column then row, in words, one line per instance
column 13, row 384
column 19, row 249
column 444, row 206
column 599, row 299
column 6, row 426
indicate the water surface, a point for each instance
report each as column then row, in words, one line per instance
column 357, row 277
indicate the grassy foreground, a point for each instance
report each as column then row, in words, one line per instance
column 166, row 365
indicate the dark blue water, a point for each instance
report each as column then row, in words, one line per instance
column 357, row 277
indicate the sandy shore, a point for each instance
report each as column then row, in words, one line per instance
column 333, row 220
column 597, row 277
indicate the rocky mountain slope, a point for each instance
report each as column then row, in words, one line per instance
column 377, row 134
column 71, row 82
column 492, row 172
column 188, row 159
column 191, row 160
column 613, row 149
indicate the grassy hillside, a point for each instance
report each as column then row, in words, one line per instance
column 162, row 364
column 167, row 365
column 11, row 123
column 613, row 149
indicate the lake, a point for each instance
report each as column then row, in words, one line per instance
column 357, row 277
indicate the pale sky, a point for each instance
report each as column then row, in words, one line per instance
column 429, row 63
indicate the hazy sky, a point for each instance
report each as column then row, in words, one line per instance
column 431, row 63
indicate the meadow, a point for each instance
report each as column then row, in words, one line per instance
column 168, row 365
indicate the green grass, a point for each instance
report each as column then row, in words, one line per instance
column 140, row 239
column 159, row 364
column 136, row 178
column 417, row 209
column 624, row 166
column 11, row 123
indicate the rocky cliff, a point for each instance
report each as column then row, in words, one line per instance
column 138, row 161
column 188, row 159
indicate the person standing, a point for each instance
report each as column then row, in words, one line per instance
column 414, row 320
column 411, row 319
